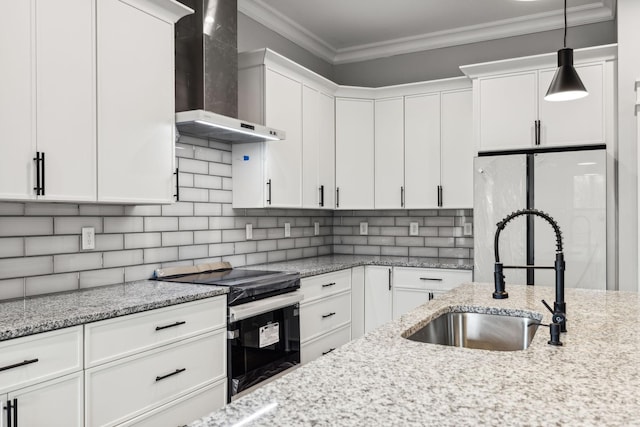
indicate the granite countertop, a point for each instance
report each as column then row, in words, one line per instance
column 328, row 263
column 384, row 379
column 55, row 311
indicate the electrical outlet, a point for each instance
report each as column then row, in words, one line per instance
column 249, row 229
column 364, row 228
column 468, row 229
column 287, row 229
column 88, row 238
column 316, row 228
column 414, row 229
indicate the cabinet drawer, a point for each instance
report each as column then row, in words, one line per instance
column 325, row 344
column 113, row 339
column 324, row 315
column 325, row 284
column 120, row 390
column 185, row 410
column 429, row 278
column 36, row 358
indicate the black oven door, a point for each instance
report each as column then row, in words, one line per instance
column 264, row 340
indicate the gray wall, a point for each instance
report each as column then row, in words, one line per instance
column 253, row 35
column 443, row 63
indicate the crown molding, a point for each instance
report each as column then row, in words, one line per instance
column 258, row 10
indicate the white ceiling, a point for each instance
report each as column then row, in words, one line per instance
column 342, row 31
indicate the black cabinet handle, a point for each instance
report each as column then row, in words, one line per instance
column 37, row 160
column 17, row 365
column 430, row 296
column 43, row 182
column 12, row 413
column 337, row 197
column 402, row 197
column 268, row 191
column 322, row 195
column 176, row 372
column 389, row 279
column 159, row 328
column 440, row 196
column 433, row 279
column 9, row 408
column 324, row 316
column 328, row 351
column 326, row 285
column 177, row 195
column 537, row 132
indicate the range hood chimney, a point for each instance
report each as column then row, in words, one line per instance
column 207, row 75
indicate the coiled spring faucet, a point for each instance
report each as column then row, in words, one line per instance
column 559, row 306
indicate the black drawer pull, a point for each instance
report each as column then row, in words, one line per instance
column 159, row 328
column 433, row 279
column 176, row 372
column 17, row 365
column 328, row 351
column 326, row 285
column 324, row 316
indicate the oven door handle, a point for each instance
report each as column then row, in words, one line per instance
column 254, row 308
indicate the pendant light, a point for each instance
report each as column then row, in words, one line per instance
column 566, row 84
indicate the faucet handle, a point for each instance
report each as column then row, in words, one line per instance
column 559, row 318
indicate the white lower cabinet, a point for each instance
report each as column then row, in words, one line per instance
column 377, row 296
column 325, row 313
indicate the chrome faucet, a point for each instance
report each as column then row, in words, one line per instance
column 559, row 306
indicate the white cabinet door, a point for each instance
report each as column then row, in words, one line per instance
column 354, row 153
column 327, row 151
column 406, row 299
column 357, row 302
column 457, row 149
column 283, row 110
column 422, row 150
column 136, row 112
column 377, row 297
column 389, row 153
column 56, row 403
column 581, row 121
column 507, row 110
column 17, row 101
column 65, row 82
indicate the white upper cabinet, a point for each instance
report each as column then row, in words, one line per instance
column 389, row 153
column 510, row 110
column 354, row 153
column 283, row 95
column 86, row 100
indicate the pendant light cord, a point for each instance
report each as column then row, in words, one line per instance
column 565, row 23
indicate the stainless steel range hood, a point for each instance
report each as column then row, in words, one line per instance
column 208, row 125
column 207, row 76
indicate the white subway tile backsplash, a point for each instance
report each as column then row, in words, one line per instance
column 185, row 150
column 256, row 258
column 142, row 240
column 276, row 256
column 154, row 255
column 25, row 226
column 206, row 181
column 220, row 196
column 193, row 166
column 122, row 258
column 227, row 183
column 394, row 251
column 245, row 247
column 69, row 225
column 186, row 179
column 11, row 208
column 112, row 276
column 124, row 224
column 191, row 252
column 149, row 210
column 207, row 209
column 20, row 267
column 177, row 238
column 221, row 223
column 160, row 224
column 50, row 209
column 309, row 252
column 207, row 236
column 178, row 209
column 286, row 244
column 208, row 154
column 194, row 195
column 11, row 247
column 233, row 235
column 77, row 262
column 220, row 169
column 225, row 147
column 235, row 260
column 226, row 157
column 266, row 222
column 190, row 140
column 51, row 245
column 101, row 210
column 109, row 242
column 440, row 221
column 51, row 283
column 139, row 272
column 366, row 250
column 193, row 223
column 423, row 252
column 227, row 210
column 267, row 245
column 12, row 288
column 439, row 242
column 220, row 249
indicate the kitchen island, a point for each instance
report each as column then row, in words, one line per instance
column 385, row 379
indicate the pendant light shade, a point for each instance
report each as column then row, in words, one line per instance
column 566, row 84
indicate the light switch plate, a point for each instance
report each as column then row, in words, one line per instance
column 364, row 228
column 88, row 238
column 287, row 229
column 249, row 228
column 316, row 228
column 414, row 229
column 468, row 229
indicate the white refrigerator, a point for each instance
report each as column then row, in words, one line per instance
column 569, row 184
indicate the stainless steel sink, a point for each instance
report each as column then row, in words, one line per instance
column 479, row 330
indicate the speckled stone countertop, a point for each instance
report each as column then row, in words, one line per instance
column 48, row 312
column 328, row 263
column 383, row 379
